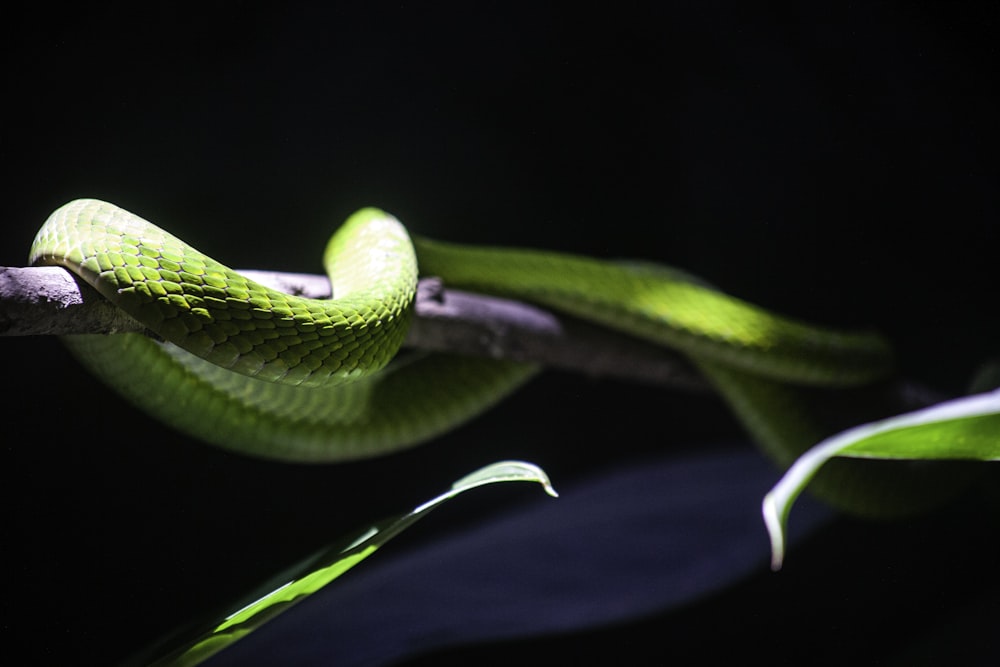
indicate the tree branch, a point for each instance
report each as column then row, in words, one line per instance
column 51, row 301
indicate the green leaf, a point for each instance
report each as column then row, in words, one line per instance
column 964, row 428
column 317, row 572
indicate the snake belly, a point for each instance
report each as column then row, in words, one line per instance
column 263, row 373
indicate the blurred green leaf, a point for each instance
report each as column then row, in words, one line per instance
column 318, row 571
column 965, row 428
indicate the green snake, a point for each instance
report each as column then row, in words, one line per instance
column 268, row 374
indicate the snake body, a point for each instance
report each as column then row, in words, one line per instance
column 268, row 374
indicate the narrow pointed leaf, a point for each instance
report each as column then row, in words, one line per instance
column 964, row 428
column 317, row 572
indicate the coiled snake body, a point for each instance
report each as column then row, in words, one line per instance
column 268, row 374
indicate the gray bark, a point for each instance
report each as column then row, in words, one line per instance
column 50, row 301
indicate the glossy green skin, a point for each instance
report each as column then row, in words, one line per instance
column 258, row 371
column 278, row 376
column 214, row 313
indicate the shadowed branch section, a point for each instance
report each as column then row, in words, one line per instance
column 51, row 301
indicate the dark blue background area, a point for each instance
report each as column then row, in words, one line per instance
column 835, row 162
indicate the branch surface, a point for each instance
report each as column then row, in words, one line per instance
column 51, row 301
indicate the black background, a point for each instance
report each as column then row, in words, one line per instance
column 834, row 161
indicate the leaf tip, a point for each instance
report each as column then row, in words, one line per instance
column 776, row 531
column 507, row 471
